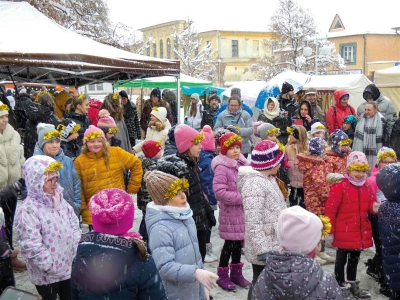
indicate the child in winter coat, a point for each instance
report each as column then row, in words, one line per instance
column 152, row 151
column 349, row 127
column 299, row 234
column 206, row 177
column 319, row 130
column 386, row 156
column 388, row 181
column 347, row 207
column 184, row 164
column 231, row 214
column 263, row 200
column 173, row 238
column 336, row 157
column 107, row 124
column 49, row 144
column 316, row 188
column 297, row 143
column 48, row 228
column 111, row 261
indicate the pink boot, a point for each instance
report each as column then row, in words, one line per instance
column 223, row 281
column 237, row 276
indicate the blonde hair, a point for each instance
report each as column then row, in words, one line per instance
column 302, row 141
column 106, row 151
column 114, row 107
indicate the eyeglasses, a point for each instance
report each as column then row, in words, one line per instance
column 54, row 180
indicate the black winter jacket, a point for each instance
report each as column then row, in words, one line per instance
column 82, row 120
column 131, row 119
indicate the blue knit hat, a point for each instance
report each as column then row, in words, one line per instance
column 317, row 146
column 350, row 119
column 339, row 137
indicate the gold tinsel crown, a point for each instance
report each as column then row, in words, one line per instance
column 116, row 96
column 358, row 167
column 113, row 130
column 174, row 188
column 345, row 142
column 93, row 135
column 52, row 134
column 326, row 225
column 272, row 131
column 289, row 130
column 198, row 138
column 4, row 107
column 53, row 167
column 234, row 138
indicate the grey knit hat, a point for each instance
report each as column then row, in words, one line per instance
column 47, row 133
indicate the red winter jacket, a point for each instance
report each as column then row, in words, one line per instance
column 334, row 121
column 347, row 207
column 93, row 111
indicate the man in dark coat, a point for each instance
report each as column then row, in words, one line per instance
column 131, row 118
column 287, row 103
column 209, row 114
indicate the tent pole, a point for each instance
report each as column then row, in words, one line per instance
column 178, row 88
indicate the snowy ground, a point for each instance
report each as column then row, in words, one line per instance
column 367, row 283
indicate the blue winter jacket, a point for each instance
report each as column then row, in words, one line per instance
column 175, row 249
column 207, row 175
column 69, row 179
column 110, row 267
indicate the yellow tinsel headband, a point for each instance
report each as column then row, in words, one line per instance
column 113, row 130
column 198, row 139
column 155, row 108
column 52, row 134
column 289, row 130
column 159, row 143
column 4, row 107
column 320, row 127
column 175, row 187
column 358, row 167
column 234, row 138
column 82, row 97
column 53, row 167
column 326, row 226
column 345, row 142
column 388, row 152
column 93, row 135
column 115, row 96
column 42, row 93
column 272, row 131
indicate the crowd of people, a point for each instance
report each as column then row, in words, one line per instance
column 285, row 186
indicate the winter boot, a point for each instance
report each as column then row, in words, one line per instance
column 223, row 281
column 357, row 292
column 17, row 265
column 327, row 258
column 347, row 295
column 210, row 257
column 237, row 276
column 371, row 271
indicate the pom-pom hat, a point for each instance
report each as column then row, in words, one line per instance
column 266, row 155
column 112, row 211
column 150, row 148
column 229, row 140
column 159, row 112
column 47, row 133
column 93, row 132
column 186, row 137
column 357, row 161
column 106, row 122
column 208, row 142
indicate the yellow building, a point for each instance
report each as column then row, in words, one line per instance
column 235, row 53
column 364, row 52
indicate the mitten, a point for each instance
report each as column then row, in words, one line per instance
column 333, row 178
column 211, row 219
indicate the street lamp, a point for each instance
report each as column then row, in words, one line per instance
column 325, row 50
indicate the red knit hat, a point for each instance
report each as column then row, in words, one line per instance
column 208, row 142
column 186, row 137
column 266, row 155
column 150, row 148
column 228, row 140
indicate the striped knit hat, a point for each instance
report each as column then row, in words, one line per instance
column 266, row 155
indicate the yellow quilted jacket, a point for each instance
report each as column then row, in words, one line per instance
column 96, row 176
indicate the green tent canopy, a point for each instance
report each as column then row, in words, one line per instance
column 163, row 82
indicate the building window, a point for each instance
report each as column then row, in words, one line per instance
column 154, row 49
column 168, row 48
column 96, row 87
column 349, row 53
column 92, row 87
column 99, row 87
column 235, row 48
column 161, row 49
column 176, row 48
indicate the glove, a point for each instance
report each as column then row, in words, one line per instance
column 333, row 178
column 262, row 257
column 211, row 219
column 329, row 238
column 233, row 129
column 206, row 278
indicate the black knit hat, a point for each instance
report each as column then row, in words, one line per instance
column 123, row 94
column 156, row 92
column 214, row 97
column 286, row 87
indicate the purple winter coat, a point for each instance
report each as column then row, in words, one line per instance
column 231, row 214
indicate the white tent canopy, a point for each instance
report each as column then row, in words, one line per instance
column 40, row 50
column 388, row 82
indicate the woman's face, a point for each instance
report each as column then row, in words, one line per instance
column 358, row 175
column 234, row 105
column 179, row 200
column 195, row 150
column 95, row 145
column 292, row 139
column 52, row 148
column 270, row 106
column 3, row 122
column 370, row 110
column 84, row 107
column 304, row 110
column 233, row 152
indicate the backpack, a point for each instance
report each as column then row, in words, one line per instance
column 349, row 106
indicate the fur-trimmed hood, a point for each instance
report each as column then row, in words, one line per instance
column 173, row 165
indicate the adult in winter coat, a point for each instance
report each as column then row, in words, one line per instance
column 385, row 106
column 194, row 112
column 131, row 118
column 305, row 116
column 101, row 166
column 336, row 114
column 209, row 114
column 93, row 111
column 112, row 262
column 234, row 115
column 49, row 144
column 238, row 94
column 173, row 239
column 299, row 234
column 274, row 115
column 184, row 164
column 48, row 229
column 287, row 103
column 40, row 111
column 394, row 141
column 311, row 95
column 263, row 201
column 388, row 181
column 78, row 113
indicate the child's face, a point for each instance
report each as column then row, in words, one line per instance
column 179, row 200
column 233, row 152
column 95, row 145
column 109, row 136
column 52, row 148
column 346, row 126
column 320, row 134
column 159, row 154
column 271, row 137
column 195, row 150
column 358, row 175
column 345, row 148
column 50, row 184
column 384, row 162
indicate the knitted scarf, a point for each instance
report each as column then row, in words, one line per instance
column 368, row 137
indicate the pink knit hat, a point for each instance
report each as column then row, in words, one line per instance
column 266, row 155
column 93, row 132
column 112, row 211
column 186, row 137
column 208, row 143
column 298, row 230
column 105, row 120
